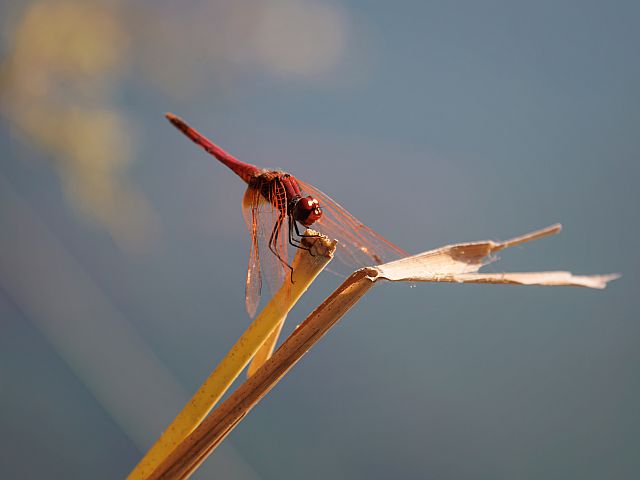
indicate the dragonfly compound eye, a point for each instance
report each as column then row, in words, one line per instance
column 307, row 211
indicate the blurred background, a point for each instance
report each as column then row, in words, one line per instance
column 123, row 251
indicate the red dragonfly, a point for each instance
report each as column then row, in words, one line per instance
column 274, row 198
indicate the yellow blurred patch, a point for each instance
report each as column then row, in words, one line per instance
column 58, row 92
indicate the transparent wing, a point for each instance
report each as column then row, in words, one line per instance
column 253, row 286
column 358, row 245
column 266, row 221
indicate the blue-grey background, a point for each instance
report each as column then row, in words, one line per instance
column 123, row 251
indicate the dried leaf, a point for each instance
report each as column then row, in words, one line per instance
column 528, row 278
column 452, row 259
column 459, row 263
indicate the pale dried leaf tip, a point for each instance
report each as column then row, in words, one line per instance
column 460, row 263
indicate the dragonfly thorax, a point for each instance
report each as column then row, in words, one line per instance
column 306, row 210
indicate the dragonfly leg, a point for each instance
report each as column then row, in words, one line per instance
column 301, row 235
column 273, row 242
column 292, row 240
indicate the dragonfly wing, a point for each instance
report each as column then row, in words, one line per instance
column 266, row 220
column 358, row 245
column 253, row 286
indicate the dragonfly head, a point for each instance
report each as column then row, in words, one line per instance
column 307, row 211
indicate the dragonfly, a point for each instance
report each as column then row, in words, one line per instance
column 274, row 207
